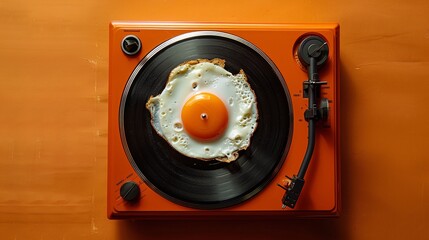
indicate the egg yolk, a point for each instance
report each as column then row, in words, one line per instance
column 204, row 116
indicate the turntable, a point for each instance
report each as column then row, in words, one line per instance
column 291, row 166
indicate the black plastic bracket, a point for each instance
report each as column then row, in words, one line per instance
column 293, row 191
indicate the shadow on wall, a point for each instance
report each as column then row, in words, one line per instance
column 229, row 229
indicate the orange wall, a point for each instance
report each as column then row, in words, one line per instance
column 53, row 121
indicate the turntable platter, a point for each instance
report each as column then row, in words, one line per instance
column 191, row 182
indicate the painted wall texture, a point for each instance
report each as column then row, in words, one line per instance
column 53, row 118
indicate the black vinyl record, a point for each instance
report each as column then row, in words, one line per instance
column 206, row 184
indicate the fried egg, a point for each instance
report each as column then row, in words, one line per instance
column 205, row 112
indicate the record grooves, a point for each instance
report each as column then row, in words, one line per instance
column 195, row 183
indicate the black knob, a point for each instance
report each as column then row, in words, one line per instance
column 324, row 109
column 130, row 191
column 131, row 45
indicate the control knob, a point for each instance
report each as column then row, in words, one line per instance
column 130, row 191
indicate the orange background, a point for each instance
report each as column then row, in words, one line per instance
column 53, row 121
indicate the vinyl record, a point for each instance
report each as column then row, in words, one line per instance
column 191, row 182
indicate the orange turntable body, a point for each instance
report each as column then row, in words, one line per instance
column 320, row 195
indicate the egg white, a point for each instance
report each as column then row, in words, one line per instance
column 200, row 76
